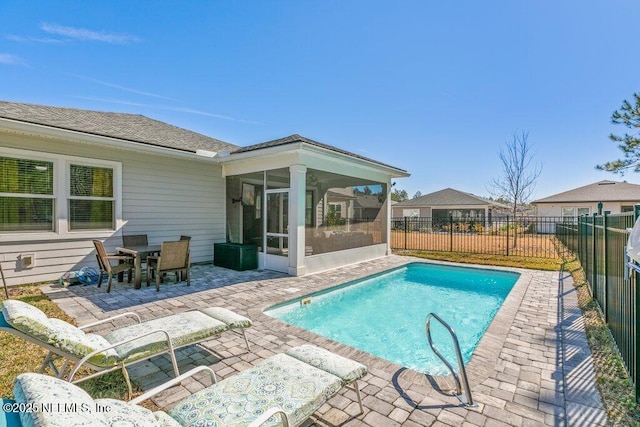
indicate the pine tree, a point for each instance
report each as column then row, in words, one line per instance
column 628, row 115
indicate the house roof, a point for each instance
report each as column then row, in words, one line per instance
column 129, row 127
column 368, row 201
column 601, row 191
column 447, row 197
column 295, row 138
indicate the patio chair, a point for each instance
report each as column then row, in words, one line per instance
column 188, row 238
column 105, row 266
column 174, row 257
column 135, row 240
column 122, row 346
column 282, row 390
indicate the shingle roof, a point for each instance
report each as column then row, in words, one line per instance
column 601, row 191
column 446, row 197
column 293, row 139
column 129, row 127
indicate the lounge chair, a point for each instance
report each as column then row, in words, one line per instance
column 120, row 347
column 284, row 389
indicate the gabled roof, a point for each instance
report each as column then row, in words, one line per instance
column 296, row 139
column 601, row 191
column 368, row 201
column 447, row 197
column 128, row 127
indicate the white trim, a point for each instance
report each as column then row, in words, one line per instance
column 61, row 167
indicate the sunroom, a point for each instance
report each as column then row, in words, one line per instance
column 307, row 206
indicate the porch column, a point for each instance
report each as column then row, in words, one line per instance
column 298, row 180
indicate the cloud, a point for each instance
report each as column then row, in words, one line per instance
column 115, row 86
column 21, row 39
column 83, row 34
column 8, row 59
column 168, row 108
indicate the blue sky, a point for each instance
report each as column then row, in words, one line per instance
column 436, row 88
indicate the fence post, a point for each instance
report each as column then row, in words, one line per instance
column 406, row 227
column 605, row 302
column 507, row 235
column 450, row 233
column 594, row 259
column 634, row 283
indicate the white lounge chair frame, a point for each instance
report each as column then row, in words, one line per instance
column 54, row 352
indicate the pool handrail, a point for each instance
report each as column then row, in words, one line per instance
column 463, row 372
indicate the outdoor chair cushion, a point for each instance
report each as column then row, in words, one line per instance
column 280, row 380
column 27, row 318
column 346, row 369
column 69, row 404
column 183, row 328
column 124, row 414
column 32, row 321
column 232, row 319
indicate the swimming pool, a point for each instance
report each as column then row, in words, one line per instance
column 385, row 314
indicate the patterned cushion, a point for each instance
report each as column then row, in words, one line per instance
column 69, row 405
column 164, row 420
column 27, row 318
column 281, row 380
column 183, row 328
column 123, row 414
column 347, row 369
column 233, row 320
column 75, row 341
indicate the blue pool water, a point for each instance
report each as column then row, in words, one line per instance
column 385, row 314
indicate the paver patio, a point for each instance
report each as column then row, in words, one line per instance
column 532, row 367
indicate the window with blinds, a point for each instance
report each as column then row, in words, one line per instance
column 91, row 198
column 27, row 198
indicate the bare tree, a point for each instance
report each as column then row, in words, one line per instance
column 518, row 176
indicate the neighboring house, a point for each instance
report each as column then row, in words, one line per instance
column 68, row 176
column 448, row 203
column 616, row 197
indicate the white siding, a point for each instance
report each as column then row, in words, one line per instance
column 162, row 196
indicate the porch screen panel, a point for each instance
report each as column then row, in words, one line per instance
column 91, row 201
column 26, row 195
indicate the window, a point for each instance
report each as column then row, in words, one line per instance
column 584, row 211
column 335, row 210
column 412, row 213
column 26, row 195
column 91, row 198
column 627, row 208
column 57, row 195
column 571, row 214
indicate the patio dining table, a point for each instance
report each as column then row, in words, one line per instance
column 138, row 252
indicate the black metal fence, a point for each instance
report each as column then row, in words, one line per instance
column 599, row 242
column 529, row 236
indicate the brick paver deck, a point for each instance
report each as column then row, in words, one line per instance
column 532, row 367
